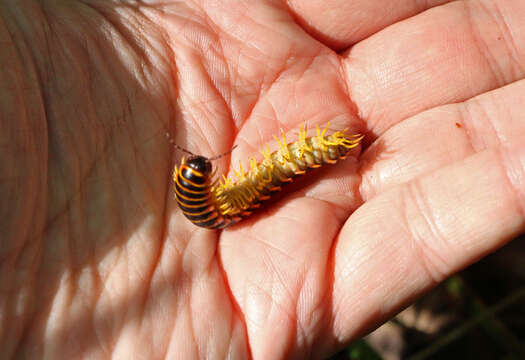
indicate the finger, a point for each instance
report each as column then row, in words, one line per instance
column 441, row 136
column 340, row 23
column 447, row 54
column 405, row 241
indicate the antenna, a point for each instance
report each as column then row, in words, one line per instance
column 223, row 154
column 172, row 142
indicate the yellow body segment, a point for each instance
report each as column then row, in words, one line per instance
column 290, row 160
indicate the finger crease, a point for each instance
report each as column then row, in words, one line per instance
column 426, row 237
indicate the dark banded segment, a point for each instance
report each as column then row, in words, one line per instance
column 193, row 209
column 194, row 197
column 211, row 224
column 194, row 177
column 190, row 195
column 188, row 186
column 189, row 199
column 207, row 216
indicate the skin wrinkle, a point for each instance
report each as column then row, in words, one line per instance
column 247, row 143
column 285, row 18
column 181, row 301
column 213, row 85
column 210, row 114
column 465, row 116
column 98, row 286
column 275, row 305
column 164, row 352
column 339, row 208
column 79, row 230
column 198, row 348
column 264, row 87
column 416, row 246
column 501, row 109
column 175, row 89
column 154, row 265
column 221, row 54
column 49, row 72
column 265, row 244
column 236, row 309
column 483, row 49
column 78, row 299
column 182, row 279
column 273, row 110
column 474, row 103
column 310, row 62
column 163, row 235
column 197, row 128
column 327, row 295
column 89, row 172
column 350, row 263
column 250, row 286
column 229, row 347
column 227, row 97
column 501, row 22
column 293, row 300
column 26, row 326
column 430, row 259
column 506, row 165
column 66, row 292
column 73, row 198
column 120, row 255
column 16, row 250
column 324, row 298
column 346, row 61
column 130, row 39
column 302, row 340
column 185, row 243
column 145, row 45
column 352, row 106
column 231, row 324
column 511, row 43
column 24, row 248
column 280, row 278
column 139, row 52
column 262, row 92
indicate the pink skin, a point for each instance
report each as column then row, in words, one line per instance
column 98, row 262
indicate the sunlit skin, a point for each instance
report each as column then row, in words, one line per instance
column 97, row 261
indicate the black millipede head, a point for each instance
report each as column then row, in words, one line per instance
column 199, row 163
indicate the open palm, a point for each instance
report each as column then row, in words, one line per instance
column 98, row 261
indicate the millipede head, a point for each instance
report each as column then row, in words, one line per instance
column 199, row 163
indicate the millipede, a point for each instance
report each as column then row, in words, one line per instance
column 216, row 203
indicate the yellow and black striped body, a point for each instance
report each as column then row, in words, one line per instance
column 216, row 206
column 192, row 189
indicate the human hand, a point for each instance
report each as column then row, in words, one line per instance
column 98, row 261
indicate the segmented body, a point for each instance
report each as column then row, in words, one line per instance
column 218, row 204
